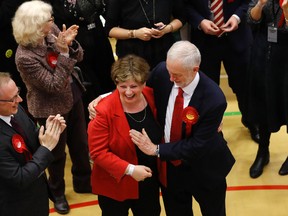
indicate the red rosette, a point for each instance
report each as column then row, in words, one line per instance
column 52, row 59
column 190, row 115
column 20, row 146
column 18, row 143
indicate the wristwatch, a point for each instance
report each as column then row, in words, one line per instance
column 157, row 151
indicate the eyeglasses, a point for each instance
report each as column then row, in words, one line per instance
column 13, row 99
column 51, row 19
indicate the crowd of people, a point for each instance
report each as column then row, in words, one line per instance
column 160, row 125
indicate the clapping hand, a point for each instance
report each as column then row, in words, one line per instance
column 70, row 34
column 49, row 137
column 66, row 37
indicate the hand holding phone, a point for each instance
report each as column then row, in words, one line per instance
column 159, row 27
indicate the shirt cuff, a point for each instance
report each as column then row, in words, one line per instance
column 237, row 17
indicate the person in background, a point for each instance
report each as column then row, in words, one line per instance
column 217, row 36
column 144, row 27
column 122, row 176
column 196, row 154
column 25, row 153
column 8, row 44
column 45, row 59
column 268, row 74
column 98, row 55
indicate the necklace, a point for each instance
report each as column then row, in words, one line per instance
column 146, row 2
column 145, row 14
column 138, row 121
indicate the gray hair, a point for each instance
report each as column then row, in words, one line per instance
column 29, row 21
column 186, row 53
column 4, row 79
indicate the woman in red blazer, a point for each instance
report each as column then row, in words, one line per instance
column 123, row 177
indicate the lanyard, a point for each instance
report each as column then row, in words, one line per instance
column 151, row 25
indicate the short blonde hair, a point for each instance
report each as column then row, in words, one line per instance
column 29, row 20
column 130, row 67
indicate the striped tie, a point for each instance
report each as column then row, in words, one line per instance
column 217, row 10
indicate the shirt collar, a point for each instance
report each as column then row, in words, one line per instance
column 6, row 119
column 190, row 88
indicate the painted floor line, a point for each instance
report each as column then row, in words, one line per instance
column 229, row 188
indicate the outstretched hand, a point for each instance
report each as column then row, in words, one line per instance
column 143, row 142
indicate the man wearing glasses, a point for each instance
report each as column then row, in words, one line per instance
column 25, row 153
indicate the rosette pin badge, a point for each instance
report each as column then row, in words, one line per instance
column 190, row 115
column 20, row 146
column 52, row 59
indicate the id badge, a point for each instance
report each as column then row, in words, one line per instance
column 272, row 34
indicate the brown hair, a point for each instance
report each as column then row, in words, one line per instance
column 130, row 67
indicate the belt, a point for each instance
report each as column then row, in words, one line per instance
column 91, row 26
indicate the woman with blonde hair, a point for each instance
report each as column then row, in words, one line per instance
column 45, row 59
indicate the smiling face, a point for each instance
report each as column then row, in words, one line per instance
column 9, row 94
column 130, row 92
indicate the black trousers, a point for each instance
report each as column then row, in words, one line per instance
column 75, row 136
column 178, row 199
column 147, row 205
column 235, row 63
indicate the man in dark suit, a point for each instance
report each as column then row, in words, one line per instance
column 8, row 44
column 228, row 43
column 205, row 157
column 25, row 153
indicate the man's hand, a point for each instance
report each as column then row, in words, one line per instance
column 92, row 105
column 54, row 127
column 59, row 118
column 143, row 142
column 209, row 27
column 230, row 25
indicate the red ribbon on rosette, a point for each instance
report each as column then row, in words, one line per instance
column 190, row 116
column 52, row 59
column 20, row 146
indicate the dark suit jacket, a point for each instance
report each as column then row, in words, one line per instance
column 112, row 149
column 199, row 10
column 205, row 154
column 23, row 185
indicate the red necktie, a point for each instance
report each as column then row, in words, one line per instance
column 217, row 10
column 176, row 125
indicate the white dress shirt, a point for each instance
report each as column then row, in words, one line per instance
column 188, row 92
column 6, row 119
